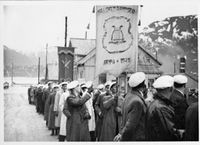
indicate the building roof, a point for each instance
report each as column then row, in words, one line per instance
column 139, row 46
column 82, row 46
column 88, row 56
column 192, row 77
column 87, row 47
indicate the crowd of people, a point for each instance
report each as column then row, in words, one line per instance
column 78, row 112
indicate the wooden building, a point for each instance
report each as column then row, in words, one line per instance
column 85, row 57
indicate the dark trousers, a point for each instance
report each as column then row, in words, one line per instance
column 61, row 138
column 92, row 136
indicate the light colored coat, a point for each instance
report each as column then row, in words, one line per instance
column 91, row 122
column 57, row 108
column 63, row 120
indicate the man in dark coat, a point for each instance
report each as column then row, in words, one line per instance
column 77, row 123
column 178, row 99
column 46, row 99
column 29, row 94
column 134, row 110
column 39, row 98
column 192, row 119
column 160, row 113
column 52, row 114
column 98, row 107
column 109, row 124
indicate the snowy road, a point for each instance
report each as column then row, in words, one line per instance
column 21, row 122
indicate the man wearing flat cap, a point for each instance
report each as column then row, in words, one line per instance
column 134, row 110
column 178, row 99
column 160, row 113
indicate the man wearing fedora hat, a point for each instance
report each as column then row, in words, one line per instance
column 133, row 110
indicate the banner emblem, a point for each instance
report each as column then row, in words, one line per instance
column 117, row 35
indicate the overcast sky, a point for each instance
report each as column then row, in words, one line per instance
column 29, row 26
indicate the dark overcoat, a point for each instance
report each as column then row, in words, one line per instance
column 52, row 115
column 46, row 99
column 160, row 120
column 180, row 106
column 29, row 95
column 77, row 125
column 118, row 110
column 98, row 107
column 192, row 123
column 39, row 100
column 109, row 125
column 133, row 117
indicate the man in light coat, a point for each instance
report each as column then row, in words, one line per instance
column 56, row 104
column 63, row 121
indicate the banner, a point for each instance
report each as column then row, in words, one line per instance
column 116, row 39
column 66, row 63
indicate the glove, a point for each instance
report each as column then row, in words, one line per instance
column 100, row 115
column 118, row 109
column 117, row 137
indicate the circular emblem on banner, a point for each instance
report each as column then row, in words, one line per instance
column 117, row 36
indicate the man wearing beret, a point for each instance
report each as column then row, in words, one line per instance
column 160, row 113
column 134, row 110
column 178, row 99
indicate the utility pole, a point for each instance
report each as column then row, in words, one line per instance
column 39, row 70
column 46, row 72
column 65, row 31
column 174, row 67
column 12, row 74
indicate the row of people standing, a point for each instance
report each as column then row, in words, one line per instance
column 81, row 113
column 49, row 100
column 54, row 98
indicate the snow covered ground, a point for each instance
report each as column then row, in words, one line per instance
column 21, row 122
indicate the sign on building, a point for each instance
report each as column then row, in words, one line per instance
column 116, row 39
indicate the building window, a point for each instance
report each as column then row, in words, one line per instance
column 81, row 74
column 148, row 60
column 102, row 78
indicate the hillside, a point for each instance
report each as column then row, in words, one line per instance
column 173, row 38
column 24, row 65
